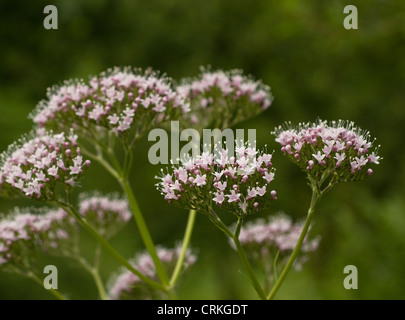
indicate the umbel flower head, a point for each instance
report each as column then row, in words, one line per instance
column 337, row 150
column 124, row 101
column 107, row 214
column 221, row 99
column 24, row 234
column 127, row 286
column 34, row 166
column 238, row 184
column 277, row 236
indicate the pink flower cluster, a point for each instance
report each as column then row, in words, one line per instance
column 117, row 100
column 264, row 238
column 52, row 229
column 238, row 184
column 34, row 167
column 107, row 214
column 126, row 285
column 224, row 98
column 338, row 147
column 22, row 235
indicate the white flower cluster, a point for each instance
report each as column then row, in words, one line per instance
column 238, row 184
column 117, row 100
column 33, row 167
column 221, row 99
column 264, row 238
column 23, row 235
column 338, row 148
column 107, row 214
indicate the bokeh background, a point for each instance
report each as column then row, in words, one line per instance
column 315, row 67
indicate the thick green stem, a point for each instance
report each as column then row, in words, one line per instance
column 287, row 267
column 186, row 240
column 144, row 232
column 122, row 177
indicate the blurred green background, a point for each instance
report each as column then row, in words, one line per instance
column 315, row 67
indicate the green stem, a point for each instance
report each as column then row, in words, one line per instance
column 242, row 255
column 171, row 294
column 96, row 277
column 116, row 165
column 315, row 197
column 186, row 241
column 109, row 248
column 127, row 160
column 55, row 292
column 220, row 225
column 275, row 265
column 144, row 232
column 104, row 163
column 99, row 283
column 122, row 177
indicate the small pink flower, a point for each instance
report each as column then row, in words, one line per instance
column 261, row 191
column 219, row 198
column 176, row 186
column 200, row 180
column 221, row 186
column 339, row 158
column 233, row 197
column 243, row 206
column 319, row 156
column 113, row 119
column 53, row 171
column 75, row 169
column 373, row 158
column 268, row 176
column 251, row 193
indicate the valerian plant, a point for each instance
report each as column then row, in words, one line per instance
column 102, row 118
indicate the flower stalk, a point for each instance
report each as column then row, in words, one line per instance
column 69, row 209
column 316, row 195
column 186, row 241
column 144, row 232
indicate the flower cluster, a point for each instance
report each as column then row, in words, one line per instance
column 222, row 99
column 263, row 239
column 53, row 231
column 126, row 285
column 33, row 167
column 322, row 149
column 107, row 214
column 23, row 235
column 117, row 100
column 238, row 184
